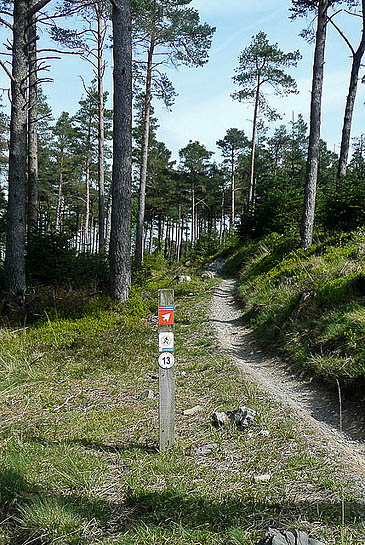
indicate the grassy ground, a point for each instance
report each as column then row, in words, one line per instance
column 309, row 304
column 79, row 459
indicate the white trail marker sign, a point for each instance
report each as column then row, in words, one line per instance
column 166, row 371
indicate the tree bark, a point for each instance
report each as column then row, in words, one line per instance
column 87, row 199
column 159, row 236
column 120, row 239
column 193, row 229
column 59, row 196
column 101, row 137
column 32, row 215
column 144, row 158
column 350, row 103
column 14, row 269
column 233, row 189
column 150, row 242
column 108, row 222
column 253, row 148
column 315, row 127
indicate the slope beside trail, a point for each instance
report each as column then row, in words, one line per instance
column 316, row 409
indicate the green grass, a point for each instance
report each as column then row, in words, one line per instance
column 79, row 457
column 309, row 304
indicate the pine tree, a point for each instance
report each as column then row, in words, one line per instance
column 232, row 145
column 194, row 160
column 91, row 42
column 357, row 55
column 320, row 8
column 262, row 65
column 170, row 33
column 120, row 242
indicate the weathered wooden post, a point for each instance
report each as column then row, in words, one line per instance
column 166, row 372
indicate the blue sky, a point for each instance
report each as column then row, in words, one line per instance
column 203, row 109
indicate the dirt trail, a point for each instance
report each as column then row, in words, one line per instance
column 315, row 408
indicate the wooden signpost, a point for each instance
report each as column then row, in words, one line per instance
column 166, row 372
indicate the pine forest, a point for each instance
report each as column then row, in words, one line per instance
column 157, row 145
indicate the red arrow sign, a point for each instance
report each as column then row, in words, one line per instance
column 166, row 315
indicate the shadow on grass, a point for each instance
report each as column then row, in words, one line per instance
column 166, row 508
column 113, row 448
column 117, row 447
column 162, row 509
column 29, row 512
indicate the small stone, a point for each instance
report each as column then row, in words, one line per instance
column 262, row 478
column 220, row 419
column 147, row 394
column 242, row 417
column 204, row 450
column 192, row 411
column 180, row 278
column 285, row 537
column 208, row 274
column 265, row 433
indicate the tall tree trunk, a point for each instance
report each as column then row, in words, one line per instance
column 32, row 215
column 108, row 222
column 14, row 270
column 193, row 229
column 120, row 239
column 160, row 230
column 87, row 186
column 179, row 233
column 144, row 157
column 233, row 191
column 101, row 137
column 166, row 251
column 221, row 229
column 350, row 103
column 250, row 198
column 59, row 196
column 87, row 198
column 315, row 127
column 150, row 244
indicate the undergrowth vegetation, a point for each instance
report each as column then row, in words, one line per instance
column 308, row 303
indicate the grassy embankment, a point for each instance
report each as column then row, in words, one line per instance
column 79, row 463
column 308, row 304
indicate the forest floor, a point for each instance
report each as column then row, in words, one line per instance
column 79, row 458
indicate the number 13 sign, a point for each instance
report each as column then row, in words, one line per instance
column 166, row 360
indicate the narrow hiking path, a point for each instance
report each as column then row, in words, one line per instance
column 314, row 406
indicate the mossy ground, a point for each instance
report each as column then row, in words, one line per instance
column 309, row 303
column 79, row 453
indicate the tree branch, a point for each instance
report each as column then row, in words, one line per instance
column 60, row 51
column 37, row 7
column 2, row 64
column 343, row 36
column 6, row 23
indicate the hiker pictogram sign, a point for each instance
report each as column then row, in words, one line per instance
column 166, row 341
column 166, row 315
